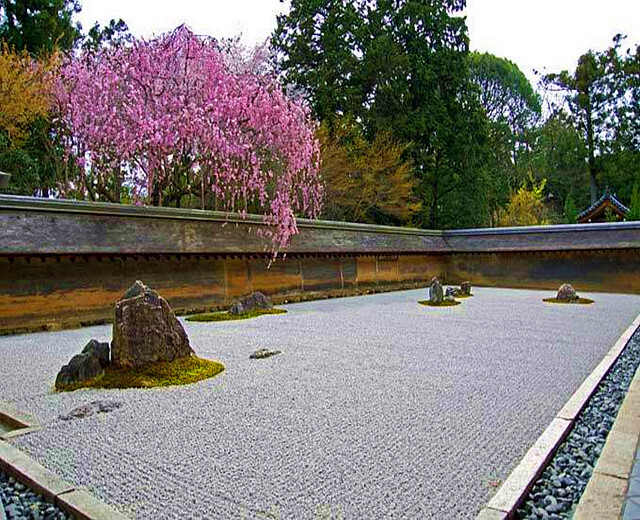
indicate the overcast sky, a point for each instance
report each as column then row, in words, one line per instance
column 548, row 35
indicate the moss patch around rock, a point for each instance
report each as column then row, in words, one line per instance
column 579, row 301
column 225, row 316
column 443, row 304
column 182, row 371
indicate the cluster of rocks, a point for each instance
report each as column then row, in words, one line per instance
column 459, row 292
column 89, row 364
column 18, row 502
column 558, row 490
column 145, row 331
column 437, row 296
column 254, row 302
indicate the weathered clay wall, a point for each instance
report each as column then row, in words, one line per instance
column 66, row 263
column 65, row 291
column 600, row 270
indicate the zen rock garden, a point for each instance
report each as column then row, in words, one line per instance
column 147, row 333
column 330, row 395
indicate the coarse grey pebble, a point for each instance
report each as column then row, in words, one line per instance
column 567, row 474
column 381, row 407
column 21, row 503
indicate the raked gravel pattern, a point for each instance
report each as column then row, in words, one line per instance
column 561, row 485
column 377, row 408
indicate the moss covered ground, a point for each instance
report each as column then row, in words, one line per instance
column 225, row 316
column 579, row 301
column 443, row 304
column 182, row 371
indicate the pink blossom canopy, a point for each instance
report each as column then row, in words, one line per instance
column 175, row 113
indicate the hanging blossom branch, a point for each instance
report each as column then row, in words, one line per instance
column 166, row 117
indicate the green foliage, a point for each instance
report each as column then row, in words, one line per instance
column 116, row 32
column 559, row 155
column 513, row 108
column 225, row 316
column 37, row 164
column 634, row 206
column 401, row 67
column 602, row 96
column 39, row 25
column 184, row 371
column 579, row 301
column 570, row 210
column 505, row 92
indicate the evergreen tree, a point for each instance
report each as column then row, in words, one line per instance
column 39, row 25
column 398, row 66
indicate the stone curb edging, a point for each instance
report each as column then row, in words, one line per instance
column 513, row 491
column 78, row 502
column 22, row 422
column 604, row 496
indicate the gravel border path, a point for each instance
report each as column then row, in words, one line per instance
column 377, row 408
column 21, row 503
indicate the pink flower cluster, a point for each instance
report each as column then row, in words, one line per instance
column 176, row 109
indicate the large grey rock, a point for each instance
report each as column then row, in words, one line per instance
column 89, row 364
column 255, row 301
column 566, row 292
column 465, row 288
column 436, row 294
column 146, row 330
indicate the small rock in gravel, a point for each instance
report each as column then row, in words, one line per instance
column 264, row 353
column 92, row 408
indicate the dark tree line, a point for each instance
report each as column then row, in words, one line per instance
column 473, row 126
column 415, row 128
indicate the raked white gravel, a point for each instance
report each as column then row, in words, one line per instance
column 378, row 407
